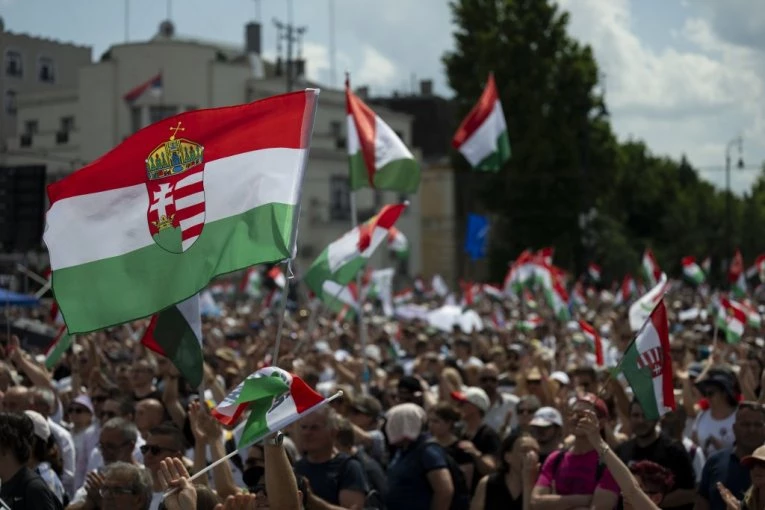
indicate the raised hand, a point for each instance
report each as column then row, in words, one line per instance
column 172, row 474
column 238, row 502
column 731, row 502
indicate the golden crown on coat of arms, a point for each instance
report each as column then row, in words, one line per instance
column 173, row 157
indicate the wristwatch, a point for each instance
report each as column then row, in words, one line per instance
column 275, row 440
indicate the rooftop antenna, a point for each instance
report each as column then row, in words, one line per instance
column 332, row 60
column 257, row 10
column 293, row 35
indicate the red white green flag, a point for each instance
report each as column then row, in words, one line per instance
column 378, row 158
column 553, row 286
column 651, row 269
column 194, row 196
column 60, row 344
column 398, row 243
column 274, row 398
column 732, row 318
column 530, row 323
column 594, row 271
column 342, row 259
column 760, row 265
column 176, row 333
column 736, row 276
column 692, row 271
column 482, row 137
column 647, row 365
column 593, row 338
column 626, row 290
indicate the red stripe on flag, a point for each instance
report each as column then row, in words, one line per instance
column 303, row 395
column 659, row 321
column 274, row 122
column 136, row 92
column 364, row 120
column 385, row 219
column 192, row 231
column 478, row 114
column 148, row 340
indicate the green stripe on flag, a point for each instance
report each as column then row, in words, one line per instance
column 257, row 236
column 61, row 346
column 173, row 333
column 494, row 161
column 256, row 426
column 402, row 175
column 641, row 382
column 257, row 388
column 358, row 171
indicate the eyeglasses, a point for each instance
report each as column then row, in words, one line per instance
column 154, row 449
column 110, row 492
column 78, row 410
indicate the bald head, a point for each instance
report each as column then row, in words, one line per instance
column 149, row 413
column 17, row 399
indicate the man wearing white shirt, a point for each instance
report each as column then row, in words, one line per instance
column 501, row 413
column 116, row 408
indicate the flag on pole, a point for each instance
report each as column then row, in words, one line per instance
column 251, row 282
column 530, row 323
column 277, row 276
column 342, row 259
column 642, row 308
column 398, row 243
column 153, row 86
column 736, row 276
column 594, row 271
column 627, row 289
column 339, row 298
column 706, row 265
column 647, row 365
column 593, row 338
column 692, row 271
column 476, row 236
column 275, row 399
column 225, row 181
column 732, row 318
column 482, row 137
column 378, row 158
column 651, row 269
column 176, row 333
column 60, row 344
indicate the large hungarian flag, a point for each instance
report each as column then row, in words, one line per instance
column 176, row 333
column 60, row 344
column 482, row 137
column 342, row 259
column 377, row 156
column 191, row 197
column 647, row 365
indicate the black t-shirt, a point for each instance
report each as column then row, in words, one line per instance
column 27, row 491
column 487, row 441
column 668, row 453
column 327, row 479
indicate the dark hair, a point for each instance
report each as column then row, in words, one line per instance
column 446, row 412
column 169, row 429
column 47, row 451
column 345, row 436
column 16, row 435
column 507, row 444
column 654, row 476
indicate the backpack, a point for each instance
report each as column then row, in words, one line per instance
column 373, row 500
column 461, row 497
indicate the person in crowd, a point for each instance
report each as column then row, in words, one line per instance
column 44, row 458
column 480, row 441
column 713, row 428
column 44, row 401
column 149, row 413
column 449, row 382
column 373, row 471
column 113, row 407
column 643, row 485
column 547, row 429
column 574, row 477
column 365, row 414
column 334, row 479
column 527, row 406
column 725, row 466
column 126, row 485
column 442, row 424
column 116, row 442
column 143, row 373
column 165, row 441
column 673, row 425
column 418, row 474
column 21, row 487
column 501, row 405
column 84, row 434
column 509, row 488
column 650, row 444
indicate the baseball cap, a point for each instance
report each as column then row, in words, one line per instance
column 40, row 424
column 757, row 456
column 601, row 410
column 368, row 405
column 561, row 377
column 719, row 378
column 84, row 401
column 546, row 416
column 473, row 395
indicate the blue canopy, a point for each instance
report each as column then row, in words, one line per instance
column 8, row 298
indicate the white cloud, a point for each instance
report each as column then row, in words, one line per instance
column 689, row 98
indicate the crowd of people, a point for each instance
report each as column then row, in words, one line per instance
column 505, row 417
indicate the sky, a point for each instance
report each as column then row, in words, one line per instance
column 685, row 76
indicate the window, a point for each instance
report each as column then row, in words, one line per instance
column 67, row 123
column 336, row 128
column 14, row 65
column 157, row 113
column 339, row 198
column 46, row 71
column 10, row 102
column 31, row 127
column 136, row 115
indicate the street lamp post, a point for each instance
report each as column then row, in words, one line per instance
column 738, row 141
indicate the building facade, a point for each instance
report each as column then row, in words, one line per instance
column 196, row 74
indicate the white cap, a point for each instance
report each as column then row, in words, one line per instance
column 561, row 377
column 546, row 416
column 41, row 427
column 475, row 396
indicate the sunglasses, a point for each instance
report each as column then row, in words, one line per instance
column 154, row 449
column 78, row 410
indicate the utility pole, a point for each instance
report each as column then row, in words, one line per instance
column 738, row 141
column 293, row 35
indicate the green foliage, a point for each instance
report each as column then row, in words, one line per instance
column 566, row 159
